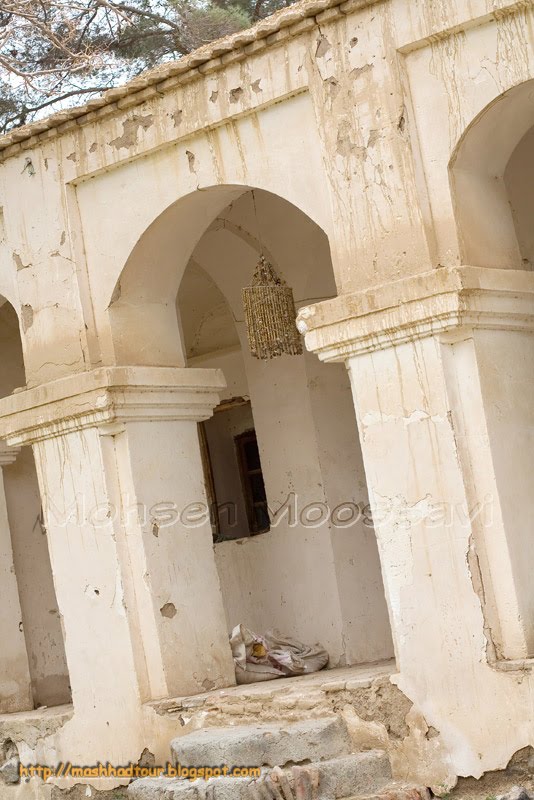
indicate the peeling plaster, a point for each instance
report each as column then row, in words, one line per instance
column 235, row 94
column 357, row 72
column 26, row 317
column 130, row 130
column 28, row 167
column 334, row 87
column 371, row 418
column 323, row 47
column 364, row 226
column 168, row 610
column 19, row 263
column 191, row 160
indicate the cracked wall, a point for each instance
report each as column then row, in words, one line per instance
column 353, row 115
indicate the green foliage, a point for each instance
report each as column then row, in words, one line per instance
column 203, row 25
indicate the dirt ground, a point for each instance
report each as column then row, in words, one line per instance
column 519, row 772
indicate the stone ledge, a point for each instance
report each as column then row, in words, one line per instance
column 431, row 303
column 285, row 700
column 107, row 396
column 514, row 665
column 32, row 727
column 8, row 455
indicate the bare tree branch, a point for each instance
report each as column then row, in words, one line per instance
column 55, row 52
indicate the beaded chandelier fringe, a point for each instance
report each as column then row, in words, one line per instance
column 270, row 314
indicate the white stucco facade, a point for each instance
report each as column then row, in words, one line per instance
column 379, row 153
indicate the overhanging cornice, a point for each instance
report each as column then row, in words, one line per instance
column 438, row 302
column 106, row 396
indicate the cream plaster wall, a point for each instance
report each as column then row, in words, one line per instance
column 231, row 364
column 454, row 83
column 358, row 117
column 436, row 614
column 345, row 129
column 445, row 427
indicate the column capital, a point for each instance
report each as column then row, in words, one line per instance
column 8, row 455
column 109, row 395
column 442, row 301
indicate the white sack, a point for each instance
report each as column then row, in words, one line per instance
column 262, row 658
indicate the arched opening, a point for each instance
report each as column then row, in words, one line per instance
column 491, row 179
column 36, row 648
column 492, row 174
column 294, row 545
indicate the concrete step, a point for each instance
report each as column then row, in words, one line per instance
column 263, row 745
column 347, row 776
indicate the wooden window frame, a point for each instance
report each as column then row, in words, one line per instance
column 240, row 442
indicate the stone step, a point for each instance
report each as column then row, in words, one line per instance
column 263, row 745
column 356, row 774
column 348, row 776
column 397, row 791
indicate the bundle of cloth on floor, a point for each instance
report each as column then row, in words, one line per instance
column 272, row 655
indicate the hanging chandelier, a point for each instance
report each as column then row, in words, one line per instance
column 270, row 314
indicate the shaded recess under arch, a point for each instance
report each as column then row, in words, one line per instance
column 492, row 182
column 314, row 581
column 492, row 179
column 40, row 623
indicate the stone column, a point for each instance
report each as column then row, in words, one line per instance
column 442, row 370
column 119, row 467
column 15, row 684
